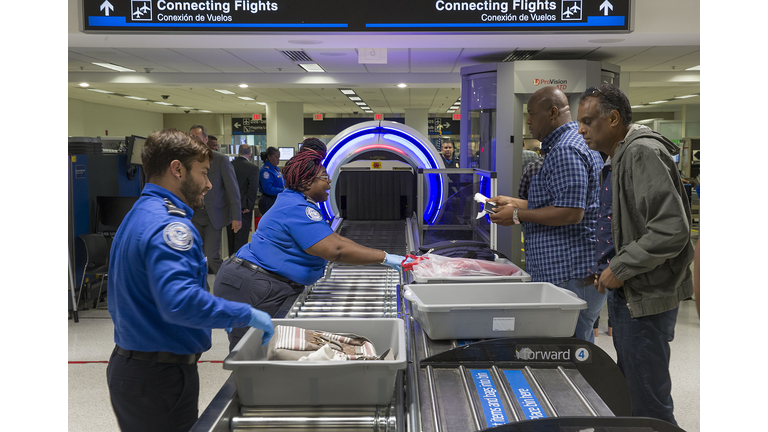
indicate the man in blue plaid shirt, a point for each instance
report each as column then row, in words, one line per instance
column 560, row 215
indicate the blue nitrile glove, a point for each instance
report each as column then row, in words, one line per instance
column 262, row 321
column 393, row 261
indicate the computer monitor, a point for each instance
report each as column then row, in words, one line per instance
column 110, row 211
column 135, row 145
column 286, row 153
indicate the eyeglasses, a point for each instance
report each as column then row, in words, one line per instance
column 325, row 178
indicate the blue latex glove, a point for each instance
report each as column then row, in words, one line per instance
column 262, row 321
column 394, row 261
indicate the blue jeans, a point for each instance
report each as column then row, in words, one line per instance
column 642, row 348
column 587, row 292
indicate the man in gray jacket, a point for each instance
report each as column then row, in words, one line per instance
column 651, row 226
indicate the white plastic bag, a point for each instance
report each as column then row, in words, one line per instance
column 431, row 266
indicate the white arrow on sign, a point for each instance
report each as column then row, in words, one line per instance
column 106, row 6
column 237, row 125
column 606, row 5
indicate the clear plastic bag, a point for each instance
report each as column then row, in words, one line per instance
column 431, row 266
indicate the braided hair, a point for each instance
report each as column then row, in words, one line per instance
column 301, row 169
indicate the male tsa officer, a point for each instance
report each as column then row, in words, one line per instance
column 162, row 313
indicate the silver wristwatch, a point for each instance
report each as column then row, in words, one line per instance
column 514, row 216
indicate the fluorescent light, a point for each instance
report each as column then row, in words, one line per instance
column 402, row 85
column 224, row 91
column 355, row 98
column 347, row 91
column 113, row 67
column 311, row 67
column 694, row 68
column 361, row 103
column 100, row 91
column 189, row 108
column 84, row 84
column 136, row 98
column 245, row 98
column 243, row 86
column 262, row 103
column 450, row 111
column 455, row 107
column 658, row 102
column 204, row 111
column 163, row 103
column 686, row 96
column 637, row 106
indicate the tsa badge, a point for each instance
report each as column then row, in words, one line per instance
column 313, row 214
column 178, row 236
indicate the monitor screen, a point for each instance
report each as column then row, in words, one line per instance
column 135, row 145
column 286, row 153
column 110, row 211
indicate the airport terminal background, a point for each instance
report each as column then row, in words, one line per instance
column 732, row 316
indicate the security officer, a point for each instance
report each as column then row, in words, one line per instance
column 161, row 311
column 293, row 244
column 271, row 181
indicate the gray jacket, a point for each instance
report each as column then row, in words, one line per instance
column 651, row 224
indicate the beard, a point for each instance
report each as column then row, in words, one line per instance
column 192, row 193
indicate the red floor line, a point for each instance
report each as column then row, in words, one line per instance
column 105, row 361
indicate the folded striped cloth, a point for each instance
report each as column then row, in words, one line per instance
column 292, row 343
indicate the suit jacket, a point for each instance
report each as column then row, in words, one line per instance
column 248, row 180
column 222, row 202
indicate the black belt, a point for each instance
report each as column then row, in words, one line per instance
column 159, row 356
column 251, row 266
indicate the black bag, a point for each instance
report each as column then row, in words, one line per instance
column 461, row 249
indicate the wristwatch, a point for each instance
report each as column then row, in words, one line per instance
column 515, row 219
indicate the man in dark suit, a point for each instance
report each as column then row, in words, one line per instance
column 222, row 204
column 248, row 179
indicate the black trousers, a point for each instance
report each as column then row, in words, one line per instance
column 266, row 202
column 237, row 283
column 149, row 396
column 238, row 239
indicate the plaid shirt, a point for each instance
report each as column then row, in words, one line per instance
column 569, row 177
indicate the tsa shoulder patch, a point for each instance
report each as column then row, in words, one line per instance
column 266, row 174
column 313, row 214
column 178, row 236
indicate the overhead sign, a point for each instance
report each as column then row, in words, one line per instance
column 249, row 126
column 443, row 126
column 137, row 16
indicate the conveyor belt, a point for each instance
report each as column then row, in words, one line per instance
column 369, row 291
column 449, row 385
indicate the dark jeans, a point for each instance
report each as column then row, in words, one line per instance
column 237, row 283
column 149, row 396
column 642, row 348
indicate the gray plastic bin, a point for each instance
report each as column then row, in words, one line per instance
column 525, row 277
column 494, row 310
column 363, row 382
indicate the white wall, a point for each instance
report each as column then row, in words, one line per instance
column 92, row 120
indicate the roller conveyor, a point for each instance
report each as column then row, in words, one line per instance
column 449, row 385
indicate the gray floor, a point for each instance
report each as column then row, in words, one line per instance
column 91, row 342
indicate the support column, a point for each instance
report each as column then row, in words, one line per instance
column 417, row 119
column 285, row 124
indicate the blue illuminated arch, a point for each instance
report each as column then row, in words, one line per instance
column 395, row 138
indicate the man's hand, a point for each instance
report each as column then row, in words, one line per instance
column 246, row 211
column 505, row 206
column 607, row 280
column 236, row 225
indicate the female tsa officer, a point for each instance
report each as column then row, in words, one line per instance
column 292, row 244
column 271, row 182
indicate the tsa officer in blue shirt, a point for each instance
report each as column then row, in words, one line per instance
column 161, row 311
column 292, row 244
column 271, row 181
